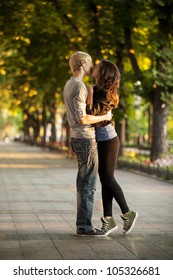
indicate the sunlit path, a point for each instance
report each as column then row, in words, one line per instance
column 38, row 210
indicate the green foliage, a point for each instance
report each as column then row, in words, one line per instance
column 164, row 74
column 38, row 37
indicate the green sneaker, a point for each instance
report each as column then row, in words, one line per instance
column 129, row 221
column 108, row 225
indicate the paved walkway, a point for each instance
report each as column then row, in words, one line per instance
column 38, row 211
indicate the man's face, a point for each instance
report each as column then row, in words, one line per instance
column 88, row 67
column 95, row 71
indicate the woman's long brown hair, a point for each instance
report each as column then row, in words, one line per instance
column 109, row 79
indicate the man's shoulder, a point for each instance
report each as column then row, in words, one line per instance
column 78, row 82
column 75, row 82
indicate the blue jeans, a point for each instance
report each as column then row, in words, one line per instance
column 86, row 151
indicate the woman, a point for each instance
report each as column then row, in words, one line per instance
column 101, row 99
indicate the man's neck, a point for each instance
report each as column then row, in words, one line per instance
column 79, row 75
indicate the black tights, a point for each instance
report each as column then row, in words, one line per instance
column 108, row 152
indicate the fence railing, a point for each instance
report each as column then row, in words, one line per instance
column 162, row 172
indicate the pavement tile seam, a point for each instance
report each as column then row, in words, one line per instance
column 28, row 213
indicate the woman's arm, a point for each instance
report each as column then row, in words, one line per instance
column 89, row 100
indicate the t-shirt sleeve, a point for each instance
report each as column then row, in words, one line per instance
column 79, row 102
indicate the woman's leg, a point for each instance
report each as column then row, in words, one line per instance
column 108, row 152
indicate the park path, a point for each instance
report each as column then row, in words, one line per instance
column 38, row 211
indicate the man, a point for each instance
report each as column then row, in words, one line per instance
column 83, row 141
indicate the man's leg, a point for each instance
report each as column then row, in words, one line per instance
column 86, row 151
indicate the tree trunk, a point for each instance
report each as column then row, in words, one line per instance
column 159, row 143
column 126, row 130
column 94, row 23
column 53, row 123
column 67, row 134
column 150, row 124
column 44, row 124
column 36, row 128
column 26, row 130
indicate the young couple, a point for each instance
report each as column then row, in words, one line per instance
column 95, row 142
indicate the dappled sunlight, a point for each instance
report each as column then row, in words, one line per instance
column 30, row 155
column 23, row 166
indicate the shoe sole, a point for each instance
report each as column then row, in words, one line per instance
column 87, row 235
column 111, row 230
column 132, row 226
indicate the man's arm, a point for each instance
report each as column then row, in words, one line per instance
column 90, row 119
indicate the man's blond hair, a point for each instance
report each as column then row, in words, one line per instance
column 77, row 58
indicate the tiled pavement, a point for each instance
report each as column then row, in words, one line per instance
column 38, row 211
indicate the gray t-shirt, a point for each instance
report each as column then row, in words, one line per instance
column 75, row 95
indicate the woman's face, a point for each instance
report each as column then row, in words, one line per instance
column 95, row 71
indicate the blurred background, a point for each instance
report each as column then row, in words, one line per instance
column 36, row 40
